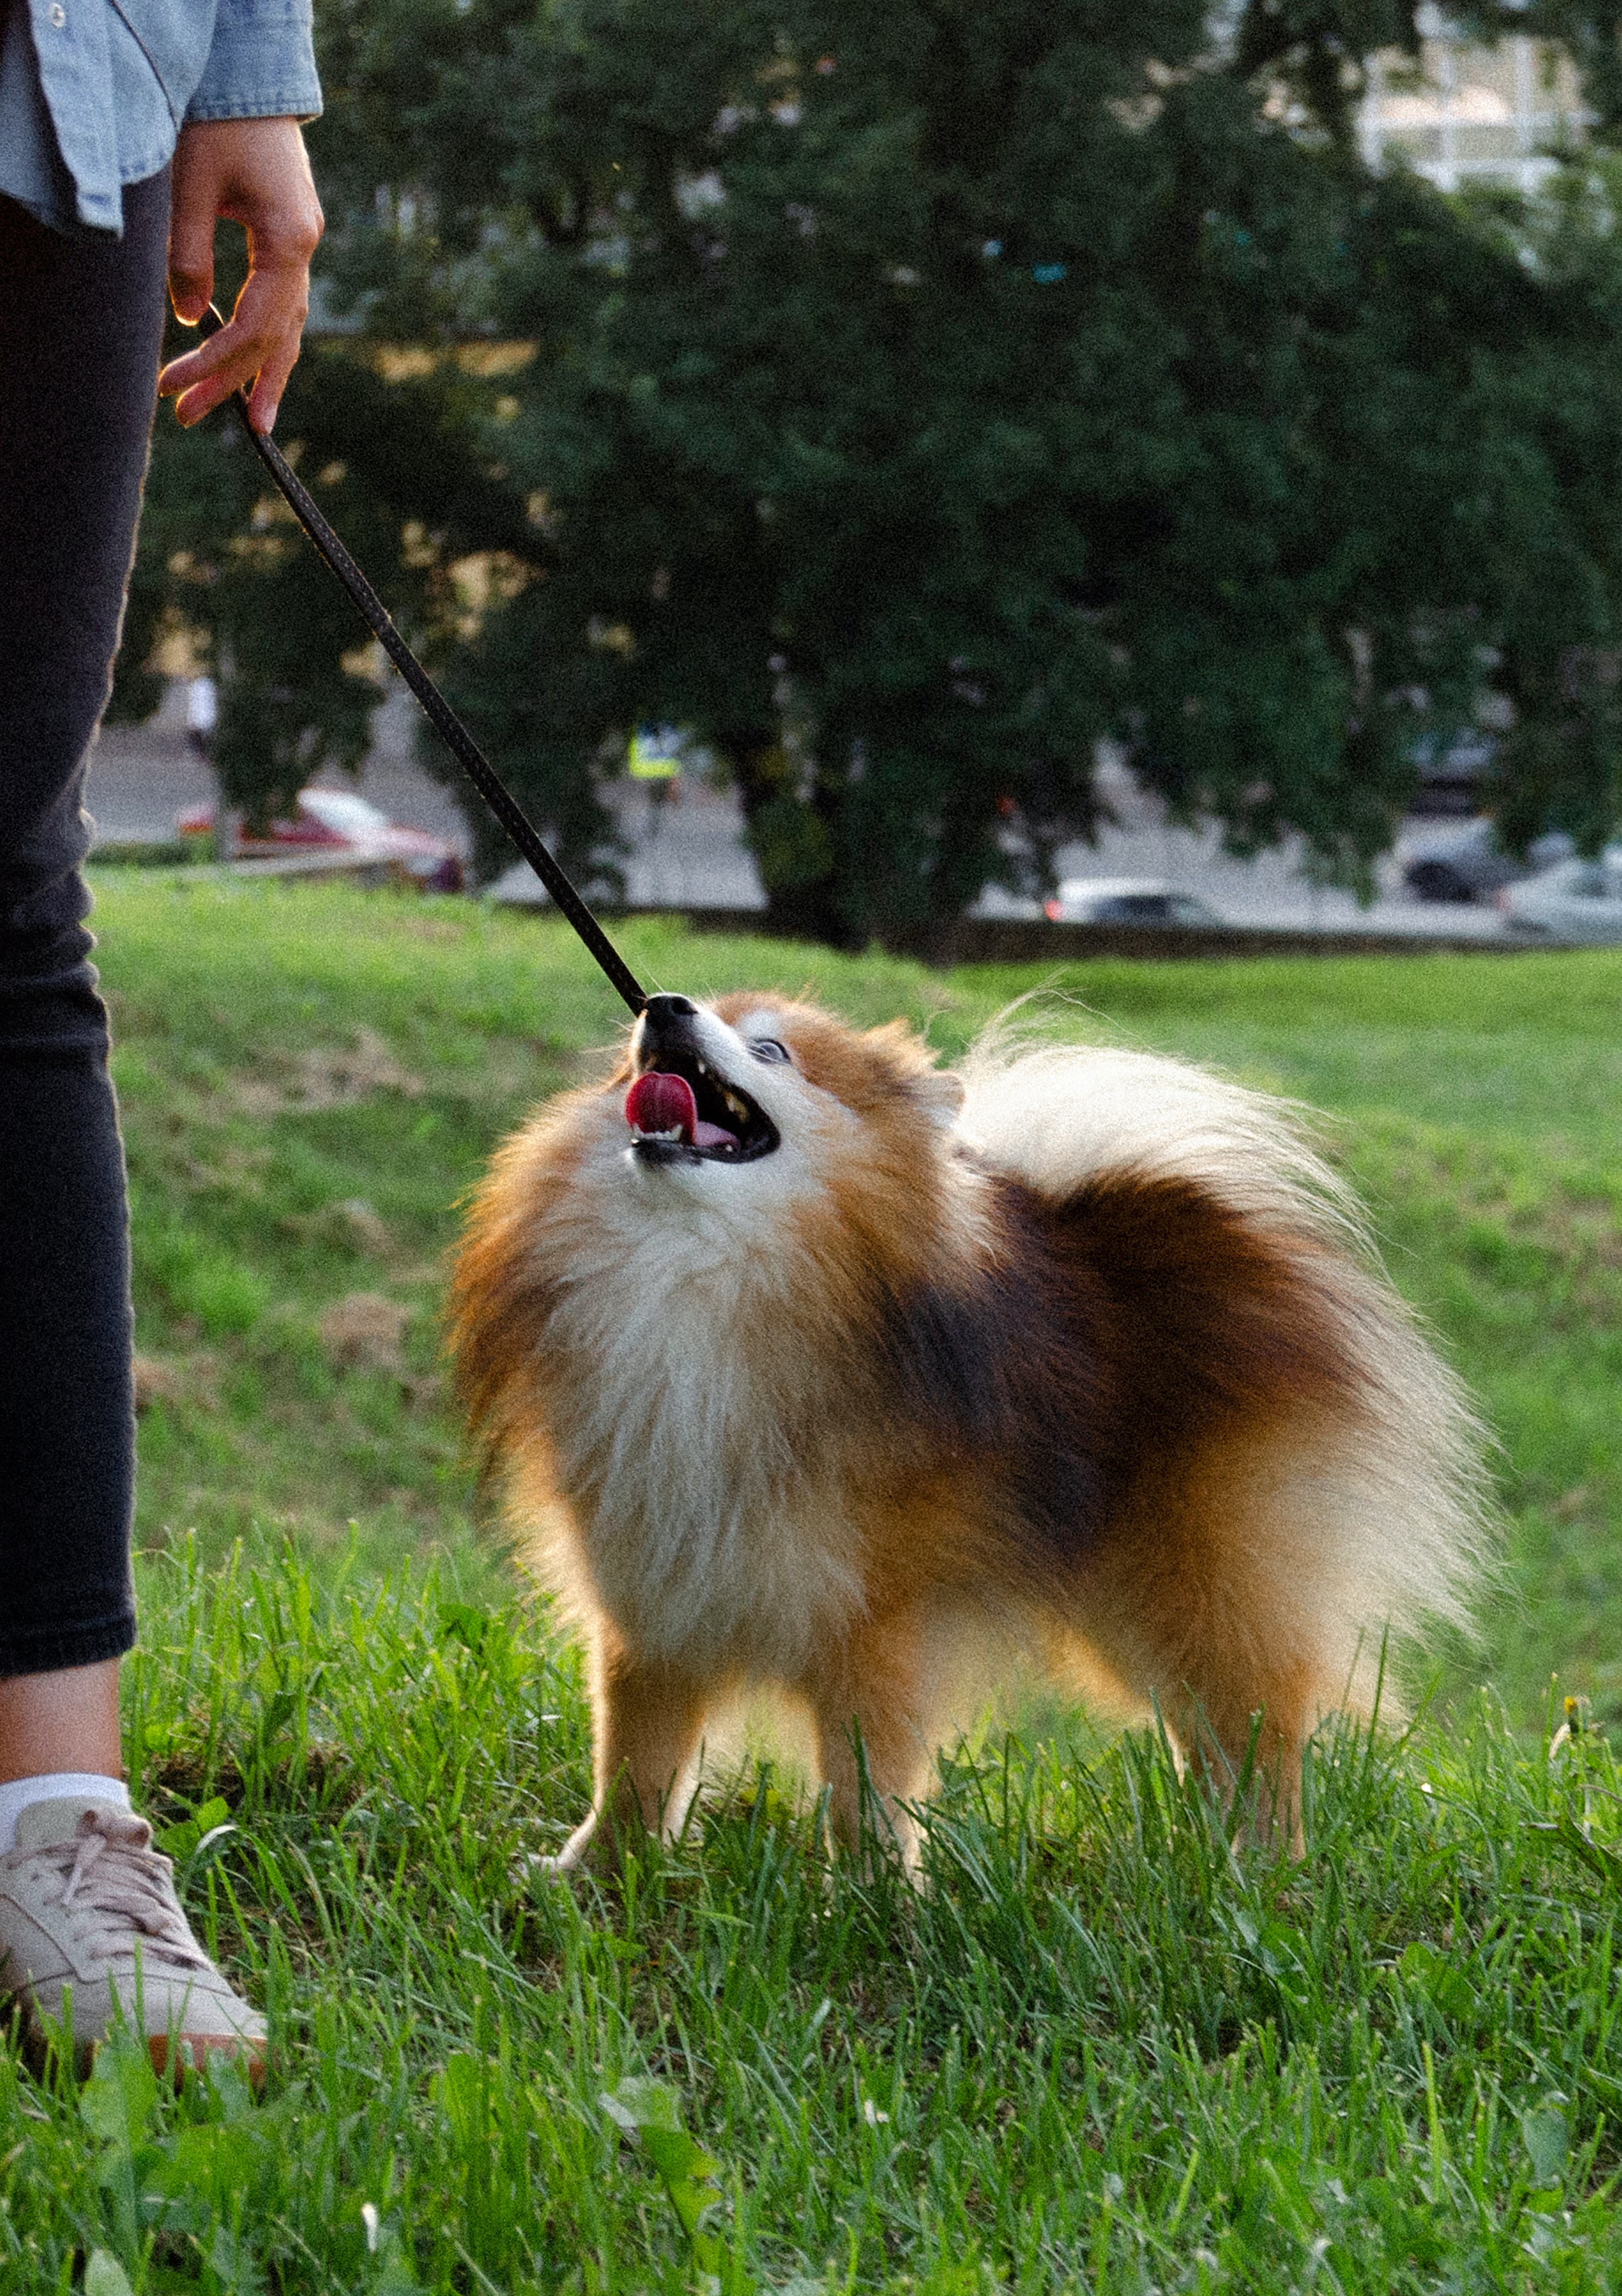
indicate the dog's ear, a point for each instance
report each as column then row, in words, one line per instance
column 939, row 1092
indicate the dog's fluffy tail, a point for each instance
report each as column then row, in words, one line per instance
column 1381, row 1506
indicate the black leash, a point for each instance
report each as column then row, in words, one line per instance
column 463, row 746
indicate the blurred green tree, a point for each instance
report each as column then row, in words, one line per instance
column 903, row 399
column 394, row 457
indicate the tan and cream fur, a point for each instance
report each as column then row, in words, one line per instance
column 1078, row 1354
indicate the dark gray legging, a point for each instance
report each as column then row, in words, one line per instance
column 80, row 321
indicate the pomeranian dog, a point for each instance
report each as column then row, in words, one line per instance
column 811, row 1365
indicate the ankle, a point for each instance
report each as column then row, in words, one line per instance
column 64, row 1720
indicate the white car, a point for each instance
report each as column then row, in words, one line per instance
column 1574, row 901
column 1127, row 901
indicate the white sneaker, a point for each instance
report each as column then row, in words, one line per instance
column 92, row 1935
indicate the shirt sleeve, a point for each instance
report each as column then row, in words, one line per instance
column 261, row 63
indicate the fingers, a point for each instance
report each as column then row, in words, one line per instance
column 254, row 172
column 261, row 339
column 190, row 249
column 266, row 395
column 194, row 195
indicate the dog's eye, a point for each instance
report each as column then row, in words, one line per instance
column 767, row 1048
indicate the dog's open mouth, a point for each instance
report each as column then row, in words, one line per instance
column 683, row 1109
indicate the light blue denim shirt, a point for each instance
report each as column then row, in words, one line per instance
column 94, row 92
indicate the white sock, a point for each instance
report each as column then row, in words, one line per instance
column 57, row 1785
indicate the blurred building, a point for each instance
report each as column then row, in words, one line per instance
column 1473, row 115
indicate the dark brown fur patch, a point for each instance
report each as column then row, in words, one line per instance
column 1213, row 1319
column 1137, row 1323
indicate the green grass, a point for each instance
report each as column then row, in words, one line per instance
column 1102, row 2050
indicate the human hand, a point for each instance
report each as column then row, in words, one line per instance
column 254, row 172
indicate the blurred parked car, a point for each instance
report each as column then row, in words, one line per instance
column 338, row 822
column 1450, row 778
column 1575, row 901
column 1463, row 861
column 1127, row 901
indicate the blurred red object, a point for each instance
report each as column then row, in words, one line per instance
column 338, row 821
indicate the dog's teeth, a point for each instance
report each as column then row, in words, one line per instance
column 735, row 1107
column 704, row 1068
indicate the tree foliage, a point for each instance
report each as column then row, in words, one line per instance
column 397, row 465
column 903, row 399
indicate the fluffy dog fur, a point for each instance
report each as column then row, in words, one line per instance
column 1080, row 1350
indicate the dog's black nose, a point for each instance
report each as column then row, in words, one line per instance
column 664, row 1033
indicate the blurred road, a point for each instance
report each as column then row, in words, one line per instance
column 687, row 850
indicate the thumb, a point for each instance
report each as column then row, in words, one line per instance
column 191, row 251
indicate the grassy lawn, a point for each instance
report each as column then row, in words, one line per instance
column 1102, row 2052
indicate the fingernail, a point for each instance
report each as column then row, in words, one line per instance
column 268, row 424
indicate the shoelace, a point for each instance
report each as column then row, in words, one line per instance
column 112, row 1882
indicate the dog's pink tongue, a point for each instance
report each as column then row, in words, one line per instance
column 657, row 1102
